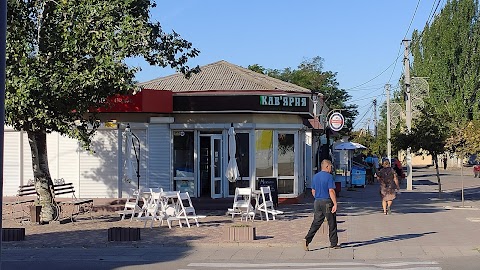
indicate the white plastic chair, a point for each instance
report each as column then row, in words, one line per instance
column 168, row 204
column 185, row 211
column 266, row 205
column 242, row 204
column 151, row 210
column 131, row 205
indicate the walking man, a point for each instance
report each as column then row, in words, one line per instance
column 325, row 205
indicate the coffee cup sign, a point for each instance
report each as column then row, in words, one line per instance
column 336, row 121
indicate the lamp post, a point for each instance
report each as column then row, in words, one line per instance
column 316, row 144
column 3, row 57
column 314, row 97
column 137, row 155
column 336, row 122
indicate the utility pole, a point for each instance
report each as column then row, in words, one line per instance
column 408, row 110
column 389, row 143
column 375, row 117
column 3, row 59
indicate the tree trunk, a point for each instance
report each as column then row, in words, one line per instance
column 41, row 174
column 435, row 160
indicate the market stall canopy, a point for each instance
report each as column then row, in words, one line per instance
column 349, row 146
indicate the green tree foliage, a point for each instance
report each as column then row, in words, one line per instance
column 465, row 140
column 363, row 138
column 428, row 135
column 310, row 74
column 65, row 57
column 447, row 53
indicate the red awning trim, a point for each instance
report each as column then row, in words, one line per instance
column 146, row 101
column 315, row 123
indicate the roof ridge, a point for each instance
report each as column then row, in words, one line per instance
column 177, row 74
column 210, row 78
column 289, row 84
column 243, row 72
column 252, row 74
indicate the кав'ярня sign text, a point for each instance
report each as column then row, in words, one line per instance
column 283, row 101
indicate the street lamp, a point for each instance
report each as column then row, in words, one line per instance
column 314, row 97
column 315, row 136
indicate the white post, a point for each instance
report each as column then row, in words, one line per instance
column 389, row 143
column 408, row 112
column 3, row 72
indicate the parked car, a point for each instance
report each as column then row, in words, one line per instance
column 472, row 160
column 476, row 170
column 397, row 166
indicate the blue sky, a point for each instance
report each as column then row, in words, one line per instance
column 360, row 40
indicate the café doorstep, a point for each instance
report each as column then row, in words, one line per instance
column 283, row 101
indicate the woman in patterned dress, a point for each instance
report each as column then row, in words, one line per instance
column 388, row 186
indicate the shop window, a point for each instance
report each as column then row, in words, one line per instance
column 264, row 153
column 285, row 186
column 183, row 154
column 243, row 162
column 286, row 154
column 286, row 162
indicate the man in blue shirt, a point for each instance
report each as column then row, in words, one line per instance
column 325, row 205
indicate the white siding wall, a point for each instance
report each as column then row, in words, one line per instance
column 27, row 160
column 93, row 174
column 98, row 169
column 160, row 157
column 68, row 159
column 52, row 150
column 12, row 163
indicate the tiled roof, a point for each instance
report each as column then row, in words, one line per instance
column 222, row 76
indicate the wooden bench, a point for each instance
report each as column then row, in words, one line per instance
column 25, row 197
column 78, row 206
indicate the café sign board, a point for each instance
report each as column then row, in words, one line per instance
column 284, row 101
column 194, row 103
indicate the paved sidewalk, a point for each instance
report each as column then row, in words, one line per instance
column 422, row 226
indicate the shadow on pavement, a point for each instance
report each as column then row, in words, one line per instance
column 44, row 247
column 393, row 238
column 468, row 193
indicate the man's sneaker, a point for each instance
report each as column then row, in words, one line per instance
column 305, row 245
column 335, row 246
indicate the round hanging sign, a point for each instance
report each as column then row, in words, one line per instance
column 336, row 121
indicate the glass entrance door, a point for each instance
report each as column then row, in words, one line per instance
column 211, row 166
column 216, row 164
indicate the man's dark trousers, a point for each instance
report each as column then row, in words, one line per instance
column 322, row 210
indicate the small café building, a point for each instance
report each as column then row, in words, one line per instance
column 180, row 138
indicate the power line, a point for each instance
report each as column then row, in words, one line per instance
column 348, row 89
column 411, row 21
column 369, row 87
column 359, row 121
column 396, row 59
column 369, row 97
column 399, row 53
column 432, row 15
column 364, row 106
